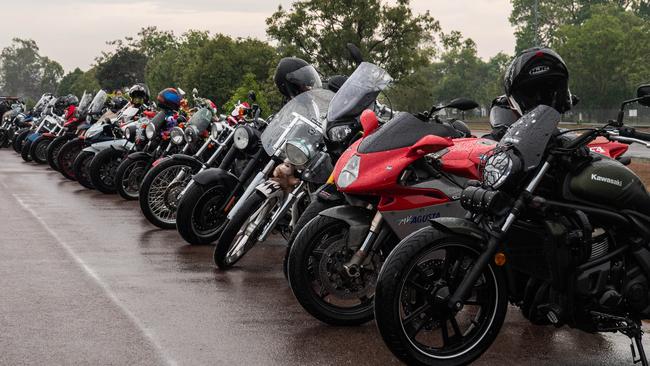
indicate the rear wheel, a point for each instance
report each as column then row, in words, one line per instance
column 160, row 189
column 67, row 156
column 129, row 175
column 80, row 168
column 241, row 232
column 102, row 169
column 19, row 139
column 319, row 281
column 413, row 290
column 53, row 150
column 38, row 149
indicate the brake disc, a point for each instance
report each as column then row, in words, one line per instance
column 336, row 280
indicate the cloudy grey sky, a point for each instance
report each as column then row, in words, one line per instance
column 74, row 32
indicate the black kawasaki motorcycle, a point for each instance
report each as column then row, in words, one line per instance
column 559, row 231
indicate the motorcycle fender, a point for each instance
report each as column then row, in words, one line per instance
column 358, row 218
column 216, row 175
column 121, row 148
column 32, row 137
column 459, row 226
column 270, row 189
column 140, row 155
column 100, row 146
column 189, row 160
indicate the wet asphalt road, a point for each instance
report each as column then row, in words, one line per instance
column 85, row 279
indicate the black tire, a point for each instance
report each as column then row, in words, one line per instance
column 4, row 137
column 67, row 155
column 38, row 150
column 53, row 150
column 315, row 207
column 19, row 139
column 24, row 152
column 330, row 232
column 129, row 176
column 103, row 168
column 395, row 278
column 80, row 167
column 232, row 228
column 157, row 200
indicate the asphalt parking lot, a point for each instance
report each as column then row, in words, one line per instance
column 86, row 280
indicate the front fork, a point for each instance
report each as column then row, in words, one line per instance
column 294, row 196
column 367, row 248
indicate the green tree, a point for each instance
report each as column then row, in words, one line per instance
column 248, row 84
column 388, row 34
column 77, row 82
column 121, row 69
column 24, row 72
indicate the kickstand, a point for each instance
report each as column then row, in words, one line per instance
column 636, row 334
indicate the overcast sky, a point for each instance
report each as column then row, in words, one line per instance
column 74, row 32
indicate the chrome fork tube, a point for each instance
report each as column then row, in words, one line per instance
column 293, row 196
column 352, row 267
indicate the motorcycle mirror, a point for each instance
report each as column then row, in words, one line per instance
column 252, row 96
column 355, row 53
column 369, row 122
column 643, row 92
column 429, row 144
column 462, row 104
column 574, row 100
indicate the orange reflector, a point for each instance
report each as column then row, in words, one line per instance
column 500, row 259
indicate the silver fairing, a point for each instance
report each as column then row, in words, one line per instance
column 405, row 222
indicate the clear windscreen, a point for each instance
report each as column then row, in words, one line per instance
column 358, row 92
column 307, row 77
column 201, row 119
column 40, row 105
column 98, row 102
column 84, row 103
column 300, row 119
column 531, row 133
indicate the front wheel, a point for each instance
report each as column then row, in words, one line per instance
column 24, row 152
column 241, row 232
column 4, row 137
column 129, row 175
column 413, row 290
column 67, row 156
column 80, row 168
column 102, row 169
column 38, row 149
column 19, row 139
column 319, row 281
column 53, row 150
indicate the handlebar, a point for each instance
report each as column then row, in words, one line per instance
column 632, row 133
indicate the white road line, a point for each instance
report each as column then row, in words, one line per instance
column 90, row 272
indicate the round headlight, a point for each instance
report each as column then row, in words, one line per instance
column 339, row 133
column 216, row 129
column 177, row 135
column 497, row 169
column 297, row 153
column 241, row 138
column 191, row 134
column 150, row 131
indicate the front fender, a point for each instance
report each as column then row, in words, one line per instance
column 460, row 226
column 358, row 218
column 99, row 146
column 190, row 160
column 140, row 155
column 216, row 176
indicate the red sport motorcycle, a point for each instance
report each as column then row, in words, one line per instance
column 394, row 180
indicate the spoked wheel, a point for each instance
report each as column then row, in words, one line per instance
column 160, row 190
column 412, row 309
column 319, row 280
column 241, row 233
column 129, row 175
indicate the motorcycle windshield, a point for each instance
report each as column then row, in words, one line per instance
column 41, row 103
column 531, row 133
column 358, row 92
column 301, row 119
column 98, row 102
column 84, row 104
column 201, row 119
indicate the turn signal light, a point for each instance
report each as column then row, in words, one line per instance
column 500, row 259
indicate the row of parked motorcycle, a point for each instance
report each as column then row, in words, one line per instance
column 406, row 217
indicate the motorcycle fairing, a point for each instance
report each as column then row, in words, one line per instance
column 405, row 222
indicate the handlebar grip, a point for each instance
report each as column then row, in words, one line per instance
column 631, row 132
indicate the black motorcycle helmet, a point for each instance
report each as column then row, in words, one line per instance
column 502, row 115
column 294, row 76
column 118, row 102
column 335, row 82
column 139, row 94
column 538, row 76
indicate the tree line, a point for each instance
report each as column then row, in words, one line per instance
column 604, row 42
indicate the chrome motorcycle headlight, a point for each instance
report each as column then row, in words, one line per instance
column 498, row 167
column 350, row 172
column 191, row 134
column 297, row 153
column 177, row 136
column 216, row 129
column 241, row 138
column 339, row 133
column 150, row 131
